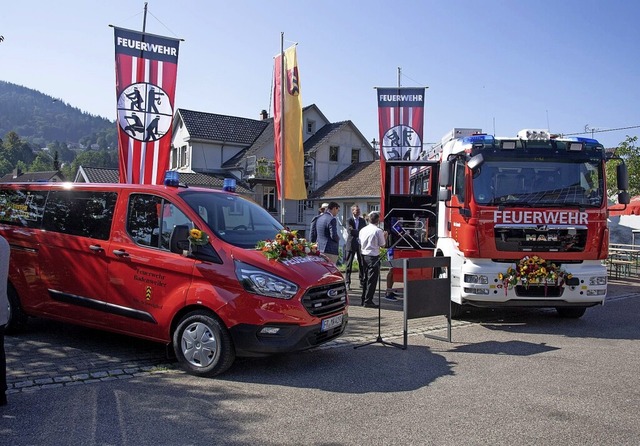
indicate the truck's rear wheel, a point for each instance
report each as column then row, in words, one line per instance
column 203, row 345
column 17, row 318
column 571, row 312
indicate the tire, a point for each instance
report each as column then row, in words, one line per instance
column 571, row 312
column 203, row 345
column 17, row 318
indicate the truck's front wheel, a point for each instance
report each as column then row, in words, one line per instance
column 203, row 345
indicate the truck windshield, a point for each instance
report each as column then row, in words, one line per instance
column 232, row 218
column 539, row 183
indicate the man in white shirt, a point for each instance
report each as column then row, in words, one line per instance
column 372, row 238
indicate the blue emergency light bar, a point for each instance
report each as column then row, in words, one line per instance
column 171, row 178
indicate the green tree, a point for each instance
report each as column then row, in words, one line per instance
column 630, row 154
column 15, row 149
column 42, row 163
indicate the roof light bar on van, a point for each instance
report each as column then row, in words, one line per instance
column 171, row 178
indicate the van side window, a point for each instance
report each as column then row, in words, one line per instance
column 81, row 213
column 150, row 220
column 22, row 208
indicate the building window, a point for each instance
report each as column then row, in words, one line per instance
column 333, row 153
column 373, row 207
column 269, row 199
column 174, row 157
column 183, row 156
column 355, row 156
column 302, row 205
column 311, row 126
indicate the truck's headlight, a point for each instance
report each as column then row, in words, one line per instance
column 258, row 281
column 476, row 278
column 598, row 280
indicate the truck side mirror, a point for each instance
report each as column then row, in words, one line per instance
column 444, row 194
column 179, row 240
column 624, row 197
column 445, row 174
column 622, row 175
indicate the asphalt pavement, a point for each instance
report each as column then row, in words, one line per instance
column 509, row 376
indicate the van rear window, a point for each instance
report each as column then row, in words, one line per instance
column 22, row 207
column 81, row 213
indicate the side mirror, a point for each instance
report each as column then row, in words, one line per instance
column 622, row 175
column 444, row 195
column 624, row 197
column 179, row 240
column 445, row 174
column 475, row 162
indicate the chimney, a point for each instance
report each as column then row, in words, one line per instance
column 263, row 115
column 16, row 172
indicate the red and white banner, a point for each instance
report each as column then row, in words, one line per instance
column 400, row 122
column 146, row 70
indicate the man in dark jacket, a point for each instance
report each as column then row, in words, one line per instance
column 352, row 248
column 328, row 236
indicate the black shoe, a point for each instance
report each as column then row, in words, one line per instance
column 362, row 303
column 3, row 400
column 371, row 305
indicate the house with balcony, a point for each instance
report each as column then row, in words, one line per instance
column 244, row 148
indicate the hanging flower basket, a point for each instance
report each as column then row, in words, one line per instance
column 286, row 245
column 534, row 271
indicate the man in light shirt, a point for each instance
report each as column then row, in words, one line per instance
column 372, row 238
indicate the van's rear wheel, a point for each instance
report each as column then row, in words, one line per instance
column 203, row 345
column 571, row 312
column 17, row 318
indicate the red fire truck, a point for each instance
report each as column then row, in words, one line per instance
column 523, row 219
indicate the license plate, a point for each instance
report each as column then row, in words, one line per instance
column 332, row 322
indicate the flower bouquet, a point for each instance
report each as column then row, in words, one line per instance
column 533, row 271
column 287, row 245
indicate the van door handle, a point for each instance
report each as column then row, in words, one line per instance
column 96, row 248
column 120, row 253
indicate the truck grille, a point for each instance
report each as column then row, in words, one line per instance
column 326, row 299
column 539, row 291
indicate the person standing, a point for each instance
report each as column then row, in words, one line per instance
column 372, row 238
column 4, row 316
column 313, row 231
column 328, row 236
column 352, row 248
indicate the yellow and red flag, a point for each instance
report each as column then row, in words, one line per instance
column 287, row 123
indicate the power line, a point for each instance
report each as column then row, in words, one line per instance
column 591, row 131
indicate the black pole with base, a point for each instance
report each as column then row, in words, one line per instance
column 379, row 339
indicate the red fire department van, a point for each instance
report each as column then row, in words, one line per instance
column 117, row 257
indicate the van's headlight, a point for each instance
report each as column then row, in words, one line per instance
column 258, row 281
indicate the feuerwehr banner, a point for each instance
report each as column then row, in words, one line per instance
column 400, row 122
column 146, row 70
column 287, row 118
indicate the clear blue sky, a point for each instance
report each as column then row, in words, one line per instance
column 491, row 64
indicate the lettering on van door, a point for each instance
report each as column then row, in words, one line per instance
column 151, row 279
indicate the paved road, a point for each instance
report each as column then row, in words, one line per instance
column 508, row 377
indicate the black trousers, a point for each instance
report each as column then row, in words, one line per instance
column 372, row 272
column 351, row 255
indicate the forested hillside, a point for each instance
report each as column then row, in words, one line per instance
column 31, row 121
column 41, row 119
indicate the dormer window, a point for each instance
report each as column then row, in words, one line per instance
column 333, row 153
column 311, row 126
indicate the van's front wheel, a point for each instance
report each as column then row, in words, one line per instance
column 203, row 345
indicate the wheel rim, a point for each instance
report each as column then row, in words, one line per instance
column 199, row 345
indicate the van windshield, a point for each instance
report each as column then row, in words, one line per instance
column 233, row 219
